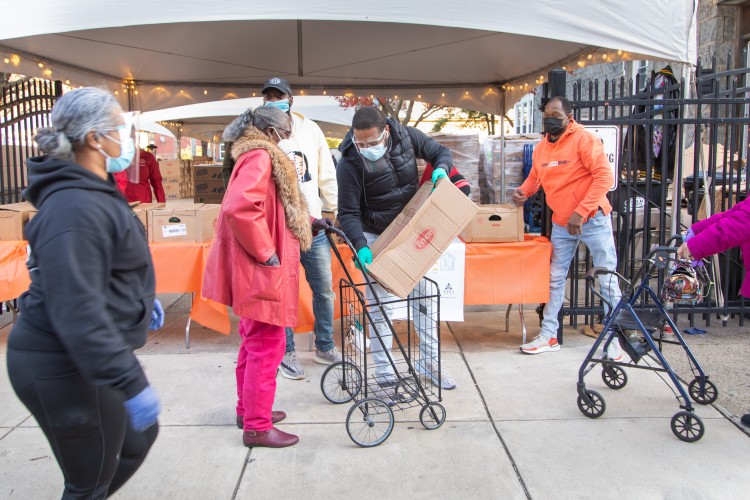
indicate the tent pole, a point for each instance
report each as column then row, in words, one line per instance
column 502, row 142
column 677, row 182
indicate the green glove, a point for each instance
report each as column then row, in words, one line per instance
column 364, row 255
column 438, row 173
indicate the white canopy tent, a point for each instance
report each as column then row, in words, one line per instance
column 207, row 120
column 466, row 54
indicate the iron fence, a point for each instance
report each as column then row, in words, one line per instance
column 683, row 157
column 24, row 108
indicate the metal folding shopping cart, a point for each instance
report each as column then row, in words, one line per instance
column 640, row 325
column 377, row 379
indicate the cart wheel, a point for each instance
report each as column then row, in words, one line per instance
column 369, row 422
column 687, row 426
column 405, row 391
column 614, row 376
column 432, row 416
column 709, row 394
column 594, row 408
column 341, row 382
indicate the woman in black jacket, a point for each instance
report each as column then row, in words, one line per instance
column 91, row 299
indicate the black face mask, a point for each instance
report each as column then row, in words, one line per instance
column 553, row 126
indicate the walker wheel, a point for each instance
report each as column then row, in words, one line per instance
column 432, row 416
column 687, row 426
column 369, row 422
column 341, row 382
column 592, row 405
column 708, row 395
column 614, row 376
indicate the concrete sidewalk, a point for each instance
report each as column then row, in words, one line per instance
column 513, row 430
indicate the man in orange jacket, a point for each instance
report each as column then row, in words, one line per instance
column 570, row 164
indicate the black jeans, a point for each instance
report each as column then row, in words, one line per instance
column 86, row 426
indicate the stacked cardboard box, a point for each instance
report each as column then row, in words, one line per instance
column 188, row 223
column 208, row 184
column 506, row 181
column 176, row 179
column 13, row 218
column 466, row 152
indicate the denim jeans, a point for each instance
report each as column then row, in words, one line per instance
column 597, row 236
column 423, row 316
column 317, row 265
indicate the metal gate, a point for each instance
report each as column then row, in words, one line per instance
column 24, row 108
column 663, row 188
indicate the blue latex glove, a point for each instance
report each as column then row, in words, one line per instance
column 157, row 316
column 365, row 257
column 143, row 409
column 438, row 173
column 688, row 235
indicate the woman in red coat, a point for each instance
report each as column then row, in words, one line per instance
column 253, row 264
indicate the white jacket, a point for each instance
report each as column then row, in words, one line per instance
column 321, row 191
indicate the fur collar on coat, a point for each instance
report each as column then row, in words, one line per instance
column 285, row 177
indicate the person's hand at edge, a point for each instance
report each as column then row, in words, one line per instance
column 143, row 409
column 364, row 255
column 157, row 316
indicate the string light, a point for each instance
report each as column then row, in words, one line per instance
column 67, row 82
column 443, row 94
column 47, row 72
column 589, row 56
column 419, row 96
column 41, row 65
column 619, row 52
column 205, row 92
column 6, row 60
column 466, row 93
column 325, row 92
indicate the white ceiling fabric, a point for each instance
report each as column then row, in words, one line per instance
column 449, row 52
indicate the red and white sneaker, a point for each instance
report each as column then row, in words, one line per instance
column 539, row 345
column 613, row 351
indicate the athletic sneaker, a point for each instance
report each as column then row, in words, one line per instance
column 290, row 367
column 613, row 351
column 539, row 345
column 431, row 372
column 745, row 419
column 327, row 357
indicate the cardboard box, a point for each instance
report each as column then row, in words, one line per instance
column 207, row 172
column 13, row 218
column 141, row 211
column 191, row 223
column 211, row 188
column 495, row 224
column 414, row 241
column 170, row 169
column 217, row 200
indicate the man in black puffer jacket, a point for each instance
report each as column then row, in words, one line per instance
column 377, row 176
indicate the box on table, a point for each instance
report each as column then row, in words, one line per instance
column 13, row 218
column 209, row 189
column 141, row 211
column 495, row 224
column 201, row 160
column 191, row 223
column 414, row 241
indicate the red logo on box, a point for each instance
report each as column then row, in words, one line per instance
column 424, row 238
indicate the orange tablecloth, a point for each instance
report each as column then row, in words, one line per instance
column 496, row 273
column 14, row 276
column 178, row 268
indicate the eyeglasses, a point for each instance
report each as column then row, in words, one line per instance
column 369, row 142
column 279, row 129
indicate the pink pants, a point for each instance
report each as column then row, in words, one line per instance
column 260, row 355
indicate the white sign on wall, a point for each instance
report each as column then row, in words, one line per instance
column 610, row 136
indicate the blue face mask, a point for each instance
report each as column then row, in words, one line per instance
column 283, row 105
column 376, row 152
column 127, row 151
